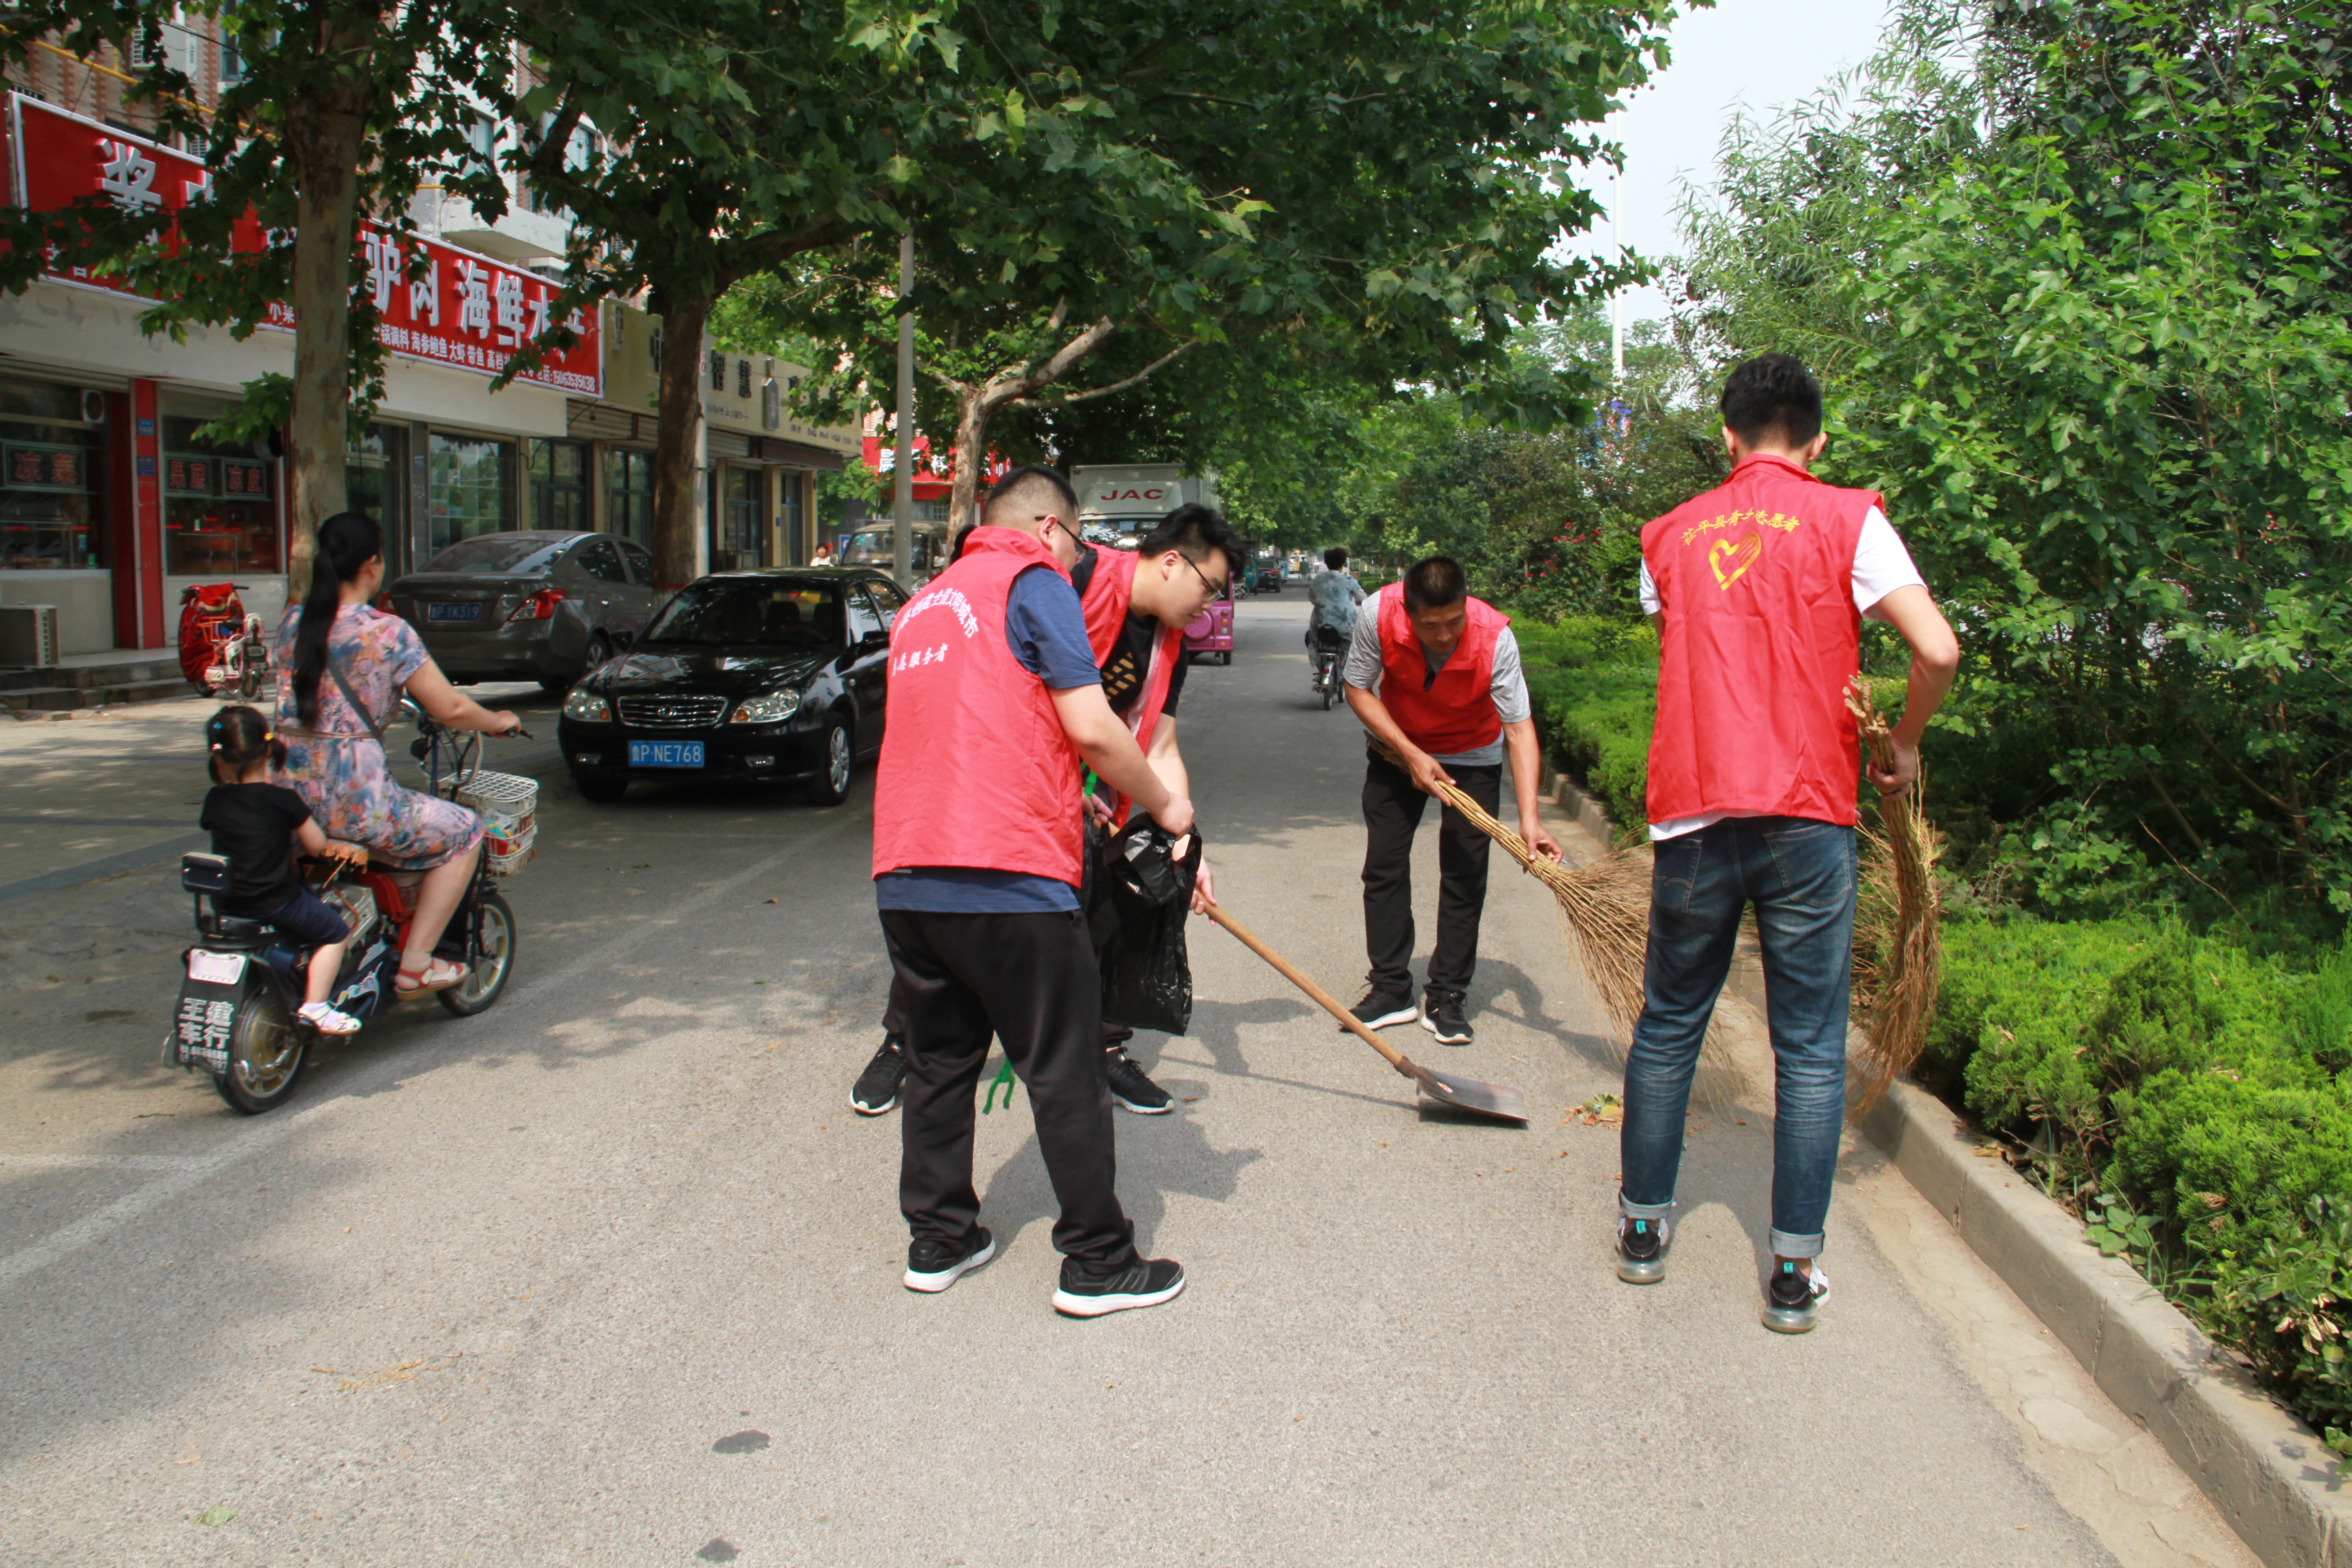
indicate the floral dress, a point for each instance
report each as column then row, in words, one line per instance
column 339, row 770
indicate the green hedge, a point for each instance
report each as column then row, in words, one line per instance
column 1594, row 686
column 2189, row 1081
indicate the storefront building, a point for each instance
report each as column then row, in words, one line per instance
column 113, row 498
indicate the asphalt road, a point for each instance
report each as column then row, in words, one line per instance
column 609, row 1275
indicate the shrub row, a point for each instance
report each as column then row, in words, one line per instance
column 1593, row 682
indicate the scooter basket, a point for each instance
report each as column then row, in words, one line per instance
column 508, row 805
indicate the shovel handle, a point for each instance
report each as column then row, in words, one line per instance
column 1330, row 1004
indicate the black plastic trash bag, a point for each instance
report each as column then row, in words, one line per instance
column 1141, row 892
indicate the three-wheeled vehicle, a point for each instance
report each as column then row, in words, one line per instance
column 1212, row 631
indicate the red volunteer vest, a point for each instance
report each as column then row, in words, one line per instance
column 975, row 768
column 1108, row 600
column 1456, row 713
column 1760, row 638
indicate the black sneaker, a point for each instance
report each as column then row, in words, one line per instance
column 1792, row 1300
column 933, row 1266
column 1642, row 1249
column 1141, row 1282
column 1441, row 1014
column 1131, row 1089
column 878, row 1086
column 1379, row 1009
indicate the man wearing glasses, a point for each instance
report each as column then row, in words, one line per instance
column 1135, row 604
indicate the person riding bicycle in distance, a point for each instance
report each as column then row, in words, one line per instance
column 1334, row 595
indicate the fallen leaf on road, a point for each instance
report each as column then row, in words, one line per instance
column 191, row 1459
column 215, row 1516
column 1600, row 1109
column 403, row 1372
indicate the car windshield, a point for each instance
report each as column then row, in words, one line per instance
column 506, row 553
column 757, row 613
column 878, row 547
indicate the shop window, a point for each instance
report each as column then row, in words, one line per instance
column 742, row 521
column 220, row 504
column 469, row 489
column 629, row 494
column 794, row 522
column 372, row 480
column 52, row 477
column 558, row 486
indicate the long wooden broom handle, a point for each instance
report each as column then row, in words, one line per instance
column 1330, row 1003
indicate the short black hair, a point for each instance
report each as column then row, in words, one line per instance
column 1434, row 584
column 955, row 550
column 1773, row 398
column 1335, row 558
column 1193, row 531
column 1028, row 481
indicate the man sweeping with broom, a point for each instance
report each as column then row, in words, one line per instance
column 1757, row 589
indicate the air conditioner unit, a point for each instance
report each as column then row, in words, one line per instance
column 28, row 635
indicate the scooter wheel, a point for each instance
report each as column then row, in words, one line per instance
column 265, row 1048
column 486, row 980
column 1326, row 699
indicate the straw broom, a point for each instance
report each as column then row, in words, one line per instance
column 1604, row 916
column 1898, row 923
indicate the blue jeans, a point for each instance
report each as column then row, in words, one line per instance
column 1800, row 875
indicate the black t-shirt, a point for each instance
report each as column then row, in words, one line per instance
column 253, row 825
column 1130, row 656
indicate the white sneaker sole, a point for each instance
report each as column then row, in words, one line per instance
column 1443, row 1037
column 1071, row 1305
column 1402, row 1015
column 884, row 1109
column 932, row 1284
column 1126, row 1104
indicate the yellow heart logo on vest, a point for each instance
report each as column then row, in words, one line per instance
column 1731, row 557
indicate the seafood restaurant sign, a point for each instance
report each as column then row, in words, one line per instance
column 464, row 311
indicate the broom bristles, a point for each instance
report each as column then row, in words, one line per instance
column 1898, row 925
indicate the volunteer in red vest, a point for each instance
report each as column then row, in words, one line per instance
column 995, row 705
column 1434, row 674
column 1758, row 589
column 1137, row 605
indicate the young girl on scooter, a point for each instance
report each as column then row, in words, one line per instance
column 255, row 823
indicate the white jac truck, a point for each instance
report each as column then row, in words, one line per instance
column 1120, row 502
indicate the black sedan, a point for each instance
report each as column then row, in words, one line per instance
column 768, row 676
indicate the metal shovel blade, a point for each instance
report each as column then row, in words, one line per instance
column 1442, row 1089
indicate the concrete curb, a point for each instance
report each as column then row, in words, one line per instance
column 2267, row 1474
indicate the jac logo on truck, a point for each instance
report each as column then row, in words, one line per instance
column 1157, row 492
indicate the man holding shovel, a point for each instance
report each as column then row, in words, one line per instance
column 1434, row 675
column 995, row 704
column 1757, row 589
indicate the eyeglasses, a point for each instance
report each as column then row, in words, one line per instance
column 1216, row 590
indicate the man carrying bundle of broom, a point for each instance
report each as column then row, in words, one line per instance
column 1757, row 589
column 1434, row 675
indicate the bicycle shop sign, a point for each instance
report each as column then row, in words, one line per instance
column 459, row 309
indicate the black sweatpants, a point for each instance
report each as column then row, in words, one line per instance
column 1392, row 809
column 1030, row 980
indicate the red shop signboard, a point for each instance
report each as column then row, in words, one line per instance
column 464, row 311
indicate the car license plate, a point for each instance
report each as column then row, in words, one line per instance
column 453, row 611
column 215, row 968
column 665, row 754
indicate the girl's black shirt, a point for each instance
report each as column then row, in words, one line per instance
column 253, row 825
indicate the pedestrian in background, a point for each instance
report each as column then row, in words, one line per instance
column 1434, row 675
column 996, row 702
column 1758, row 589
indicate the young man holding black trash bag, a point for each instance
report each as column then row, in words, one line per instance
column 1758, row 589
column 1434, row 675
column 1137, row 605
column 995, row 704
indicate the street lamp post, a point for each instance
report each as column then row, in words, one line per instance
column 902, row 502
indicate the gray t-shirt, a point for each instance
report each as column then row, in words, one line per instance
column 1508, row 686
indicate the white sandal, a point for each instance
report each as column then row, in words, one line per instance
column 438, row 974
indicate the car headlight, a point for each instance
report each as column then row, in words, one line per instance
column 586, row 705
column 773, row 709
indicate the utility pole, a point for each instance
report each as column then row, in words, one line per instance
column 1616, row 296
column 902, row 505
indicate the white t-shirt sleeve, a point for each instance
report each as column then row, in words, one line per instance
column 1881, row 565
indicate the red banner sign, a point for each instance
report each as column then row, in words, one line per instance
column 464, row 311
